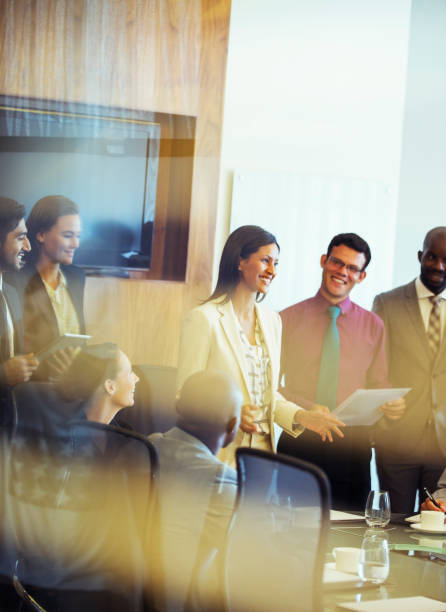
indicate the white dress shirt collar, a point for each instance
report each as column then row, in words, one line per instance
column 424, row 292
column 9, row 322
column 425, row 306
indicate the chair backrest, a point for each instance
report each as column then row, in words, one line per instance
column 277, row 538
column 154, row 407
column 77, row 500
column 123, row 472
column 29, row 602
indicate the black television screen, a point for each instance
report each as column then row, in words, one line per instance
column 108, row 165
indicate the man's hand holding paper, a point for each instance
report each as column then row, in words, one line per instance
column 366, row 406
column 394, row 409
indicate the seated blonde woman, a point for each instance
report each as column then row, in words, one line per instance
column 101, row 379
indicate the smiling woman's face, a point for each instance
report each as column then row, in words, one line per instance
column 60, row 242
column 124, row 383
column 259, row 269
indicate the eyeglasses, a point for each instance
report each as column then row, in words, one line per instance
column 339, row 264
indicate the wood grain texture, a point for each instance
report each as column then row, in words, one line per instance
column 141, row 316
column 112, row 52
column 159, row 55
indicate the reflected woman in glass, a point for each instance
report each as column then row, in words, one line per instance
column 231, row 331
column 52, row 287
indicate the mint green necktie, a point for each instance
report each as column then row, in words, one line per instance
column 327, row 384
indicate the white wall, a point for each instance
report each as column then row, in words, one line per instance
column 305, row 211
column 422, row 202
column 316, row 88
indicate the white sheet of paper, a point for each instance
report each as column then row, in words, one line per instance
column 337, row 515
column 334, row 576
column 399, row 604
column 416, row 518
column 361, row 407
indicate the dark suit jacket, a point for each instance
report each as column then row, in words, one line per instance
column 410, row 365
column 39, row 319
column 15, row 310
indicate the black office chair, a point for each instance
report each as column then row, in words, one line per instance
column 125, row 474
column 154, row 407
column 78, row 500
column 28, row 601
column 277, row 538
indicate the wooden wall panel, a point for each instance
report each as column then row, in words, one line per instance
column 141, row 316
column 159, row 55
column 115, row 52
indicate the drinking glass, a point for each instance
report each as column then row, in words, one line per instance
column 374, row 558
column 377, row 510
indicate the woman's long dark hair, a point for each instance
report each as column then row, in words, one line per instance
column 44, row 214
column 243, row 242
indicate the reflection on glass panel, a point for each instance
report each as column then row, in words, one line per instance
column 108, row 165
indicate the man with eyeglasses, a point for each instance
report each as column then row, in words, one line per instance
column 331, row 347
column 411, row 453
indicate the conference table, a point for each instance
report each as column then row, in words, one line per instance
column 417, row 564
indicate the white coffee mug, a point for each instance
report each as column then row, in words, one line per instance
column 430, row 519
column 347, row 559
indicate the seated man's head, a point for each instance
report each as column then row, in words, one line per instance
column 209, row 407
column 101, row 377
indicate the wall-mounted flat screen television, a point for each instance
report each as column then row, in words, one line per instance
column 105, row 159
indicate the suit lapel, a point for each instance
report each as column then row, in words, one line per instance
column 75, row 291
column 14, row 308
column 413, row 309
column 231, row 329
column 441, row 354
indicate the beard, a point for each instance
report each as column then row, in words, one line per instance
column 6, row 265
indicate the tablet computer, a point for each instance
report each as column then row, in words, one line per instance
column 62, row 342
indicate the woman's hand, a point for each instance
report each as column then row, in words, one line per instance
column 321, row 421
column 60, row 361
column 247, row 420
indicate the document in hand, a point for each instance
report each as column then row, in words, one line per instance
column 361, row 407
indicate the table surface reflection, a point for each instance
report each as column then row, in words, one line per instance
column 415, row 568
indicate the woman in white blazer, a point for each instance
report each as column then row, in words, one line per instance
column 230, row 331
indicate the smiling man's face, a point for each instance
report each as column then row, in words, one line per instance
column 14, row 248
column 433, row 262
column 341, row 271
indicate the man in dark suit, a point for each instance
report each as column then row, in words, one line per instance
column 14, row 367
column 411, row 452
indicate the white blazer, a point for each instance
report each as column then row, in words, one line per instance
column 210, row 339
